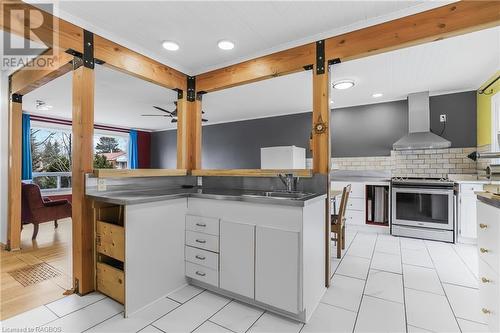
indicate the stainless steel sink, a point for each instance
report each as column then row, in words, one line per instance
column 280, row 195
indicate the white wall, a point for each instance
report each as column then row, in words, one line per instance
column 4, row 153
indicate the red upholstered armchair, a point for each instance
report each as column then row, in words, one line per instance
column 36, row 209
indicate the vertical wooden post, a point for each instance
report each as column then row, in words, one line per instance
column 321, row 138
column 189, row 128
column 196, row 116
column 82, row 163
column 14, row 180
column 182, row 133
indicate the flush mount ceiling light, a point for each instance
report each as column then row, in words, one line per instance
column 225, row 44
column 170, row 45
column 343, row 84
column 377, row 95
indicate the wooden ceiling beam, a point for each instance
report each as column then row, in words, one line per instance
column 40, row 71
column 272, row 65
column 125, row 60
column 432, row 25
column 70, row 37
column 435, row 24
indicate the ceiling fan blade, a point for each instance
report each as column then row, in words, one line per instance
column 155, row 115
column 204, row 120
column 174, row 120
column 162, row 109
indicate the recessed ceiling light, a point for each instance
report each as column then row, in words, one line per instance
column 225, row 44
column 343, row 84
column 377, row 95
column 170, row 45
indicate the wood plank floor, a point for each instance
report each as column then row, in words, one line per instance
column 52, row 246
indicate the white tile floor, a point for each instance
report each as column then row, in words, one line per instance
column 382, row 284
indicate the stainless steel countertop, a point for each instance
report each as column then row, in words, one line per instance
column 360, row 179
column 131, row 197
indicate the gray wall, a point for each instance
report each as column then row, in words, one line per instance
column 164, row 149
column 368, row 130
column 461, row 113
column 237, row 145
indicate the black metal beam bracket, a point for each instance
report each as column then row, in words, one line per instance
column 191, row 88
column 88, row 49
column 199, row 95
column 17, row 98
column 77, row 62
column 334, row 61
column 320, row 57
column 180, row 93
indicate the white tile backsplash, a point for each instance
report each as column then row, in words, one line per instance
column 414, row 163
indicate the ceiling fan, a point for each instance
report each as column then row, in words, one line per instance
column 169, row 114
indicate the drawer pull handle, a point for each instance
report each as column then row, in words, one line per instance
column 483, row 226
column 200, row 273
column 485, row 280
column 483, row 250
column 201, row 225
column 202, row 241
column 199, row 257
column 485, row 311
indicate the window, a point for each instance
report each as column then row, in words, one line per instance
column 51, row 157
column 110, row 150
column 51, row 154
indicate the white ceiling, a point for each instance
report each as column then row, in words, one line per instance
column 120, row 100
column 257, row 27
column 450, row 65
column 456, row 64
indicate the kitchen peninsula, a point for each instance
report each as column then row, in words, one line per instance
column 262, row 247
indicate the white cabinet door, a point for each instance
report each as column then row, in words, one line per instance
column 237, row 241
column 468, row 215
column 277, row 268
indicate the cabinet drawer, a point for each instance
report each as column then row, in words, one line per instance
column 470, row 188
column 488, row 235
column 202, row 257
column 356, row 204
column 488, row 295
column 202, row 241
column 110, row 240
column 357, row 189
column 355, row 217
column 110, row 281
column 202, row 273
column 208, row 225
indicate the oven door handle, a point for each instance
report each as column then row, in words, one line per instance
column 422, row 190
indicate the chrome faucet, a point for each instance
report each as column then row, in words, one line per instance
column 290, row 181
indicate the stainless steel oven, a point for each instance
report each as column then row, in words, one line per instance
column 423, row 208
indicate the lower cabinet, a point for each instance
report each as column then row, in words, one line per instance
column 237, row 248
column 277, row 268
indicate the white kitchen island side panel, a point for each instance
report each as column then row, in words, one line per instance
column 154, row 248
column 314, row 255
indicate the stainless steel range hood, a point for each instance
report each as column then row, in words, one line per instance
column 419, row 126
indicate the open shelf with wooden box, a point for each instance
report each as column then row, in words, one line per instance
column 110, row 250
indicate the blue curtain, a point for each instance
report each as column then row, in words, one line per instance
column 133, row 156
column 27, row 166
